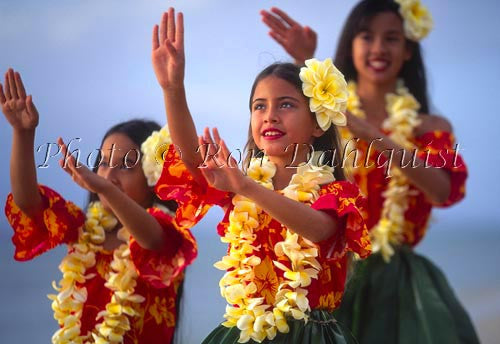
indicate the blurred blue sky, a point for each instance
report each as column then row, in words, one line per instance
column 87, row 64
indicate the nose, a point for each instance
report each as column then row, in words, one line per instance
column 271, row 115
column 378, row 46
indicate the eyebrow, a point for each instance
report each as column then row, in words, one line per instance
column 279, row 98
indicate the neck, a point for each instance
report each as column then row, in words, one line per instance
column 372, row 96
column 284, row 172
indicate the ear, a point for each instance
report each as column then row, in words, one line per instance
column 318, row 132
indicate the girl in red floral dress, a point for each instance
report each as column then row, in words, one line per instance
column 124, row 270
column 290, row 219
column 396, row 296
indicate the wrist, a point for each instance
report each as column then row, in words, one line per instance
column 245, row 187
column 24, row 133
column 174, row 89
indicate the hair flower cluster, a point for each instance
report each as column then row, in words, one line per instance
column 326, row 87
column 417, row 19
column 153, row 150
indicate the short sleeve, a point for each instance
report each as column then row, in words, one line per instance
column 438, row 149
column 159, row 268
column 342, row 201
column 194, row 198
column 58, row 223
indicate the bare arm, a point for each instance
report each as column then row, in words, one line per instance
column 22, row 115
column 169, row 63
column 298, row 41
column 312, row 224
column 141, row 225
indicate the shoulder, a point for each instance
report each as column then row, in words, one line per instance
column 431, row 123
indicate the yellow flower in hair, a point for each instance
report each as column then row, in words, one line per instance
column 417, row 19
column 326, row 87
column 153, row 151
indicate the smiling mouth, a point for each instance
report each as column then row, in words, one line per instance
column 378, row 65
column 272, row 134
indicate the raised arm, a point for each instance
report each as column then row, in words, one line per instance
column 169, row 63
column 22, row 115
column 298, row 41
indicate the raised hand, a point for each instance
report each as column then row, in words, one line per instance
column 168, row 50
column 16, row 106
column 298, row 41
column 222, row 172
column 79, row 173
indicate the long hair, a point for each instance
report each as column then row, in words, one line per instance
column 412, row 71
column 328, row 142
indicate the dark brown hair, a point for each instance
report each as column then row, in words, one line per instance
column 138, row 130
column 412, row 71
column 328, row 142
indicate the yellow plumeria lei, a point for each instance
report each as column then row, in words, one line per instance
column 417, row 19
column 255, row 319
column 325, row 85
column 68, row 303
column 153, row 150
column 402, row 109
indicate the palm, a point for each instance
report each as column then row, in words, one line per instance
column 18, row 108
column 80, row 174
column 168, row 50
column 222, row 172
column 298, row 41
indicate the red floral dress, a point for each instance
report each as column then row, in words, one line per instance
column 160, row 272
column 436, row 149
column 339, row 199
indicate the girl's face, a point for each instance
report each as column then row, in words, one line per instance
column 121, row 165
column 280, row 119
column 380, row 51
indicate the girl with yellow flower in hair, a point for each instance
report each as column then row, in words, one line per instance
column 290, row 219
column 123, row 274
column 396, row 296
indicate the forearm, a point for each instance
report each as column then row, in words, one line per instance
column 142, row 226
column 23, row 172
column 182, row 128
column 312, row 224
column 433, row 182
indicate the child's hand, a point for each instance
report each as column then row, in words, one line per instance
column 16, row 106
column 168, row 50
column 224, row 173
column 298, row 41
column 81, row 174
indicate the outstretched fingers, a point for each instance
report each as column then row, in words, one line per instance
column 284, row 16
column 163, row 27
column 2, row 95
column 12, row 84
column 21, row 92
column 179, row 33
column 156, row 41
column 171, row 24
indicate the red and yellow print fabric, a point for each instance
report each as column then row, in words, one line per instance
column 436, row 149
column 339, row 199
column 160, row 272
